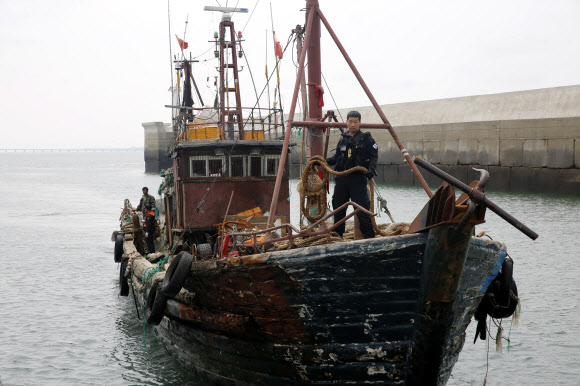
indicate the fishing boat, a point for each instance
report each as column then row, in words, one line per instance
column 244, row 297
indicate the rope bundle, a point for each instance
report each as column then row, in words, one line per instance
column 311, row 187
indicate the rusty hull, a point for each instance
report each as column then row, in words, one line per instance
column 345, row 312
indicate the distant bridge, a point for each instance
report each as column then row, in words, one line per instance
column 70, row 150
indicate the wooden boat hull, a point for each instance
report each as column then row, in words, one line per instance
column 353, row 312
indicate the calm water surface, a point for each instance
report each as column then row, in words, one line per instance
column 63, row 322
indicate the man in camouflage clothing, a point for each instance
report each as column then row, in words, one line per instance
column 146, row 199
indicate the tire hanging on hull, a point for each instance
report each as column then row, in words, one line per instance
column 500, row 300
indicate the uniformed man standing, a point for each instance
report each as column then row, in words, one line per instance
column 354, row 148
column 146, row 199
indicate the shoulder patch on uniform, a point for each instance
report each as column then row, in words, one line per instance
column 376, row 146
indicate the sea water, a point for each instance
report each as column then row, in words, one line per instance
column 64, row 324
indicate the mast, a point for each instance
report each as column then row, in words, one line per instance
column 314, row 140
column 312, row 43
column 229, row 116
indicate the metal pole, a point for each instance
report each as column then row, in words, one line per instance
column 336, row 125
column 299, row 48
column 289, row 126
column 314, row 141
column 376, row 105
column 477, row 196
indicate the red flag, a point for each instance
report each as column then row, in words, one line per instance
column 319, row 92
column 182, row 44
column 278, row 49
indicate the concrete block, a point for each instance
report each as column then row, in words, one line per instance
column 535, row 153
column 520, row 178
column 543, row 180
column 381, row 137
column 560, row 153
column 432, row 151
column 467, row 151
column 549, row 128
column 488, row 152
column 569, row 181
column 499, row 179
column 459, row 172
column 577, row 153
column 415, row 148
column 511, row 152
column 449, row 152
column 391, row 174
column 406, row 176
column 389, row 154
column 410, row 133
column 432, row 132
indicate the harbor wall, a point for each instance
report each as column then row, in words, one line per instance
column 529, row 141
column 158, row 136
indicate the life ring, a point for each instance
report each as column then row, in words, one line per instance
column 118, row 254
column 155, row 304
column 123, row 284
column 176, row 274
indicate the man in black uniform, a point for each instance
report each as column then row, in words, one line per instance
column 354, row 148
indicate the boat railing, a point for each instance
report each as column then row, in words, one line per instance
column 254, row 127
column 308, row 232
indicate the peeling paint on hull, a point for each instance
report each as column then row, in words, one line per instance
column 339, row 313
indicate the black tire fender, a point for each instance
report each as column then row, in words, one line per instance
column 204, row 250
column 123, row 283
column 507, row 272
column 155, row 305
column 119, row 240
column 176, row 274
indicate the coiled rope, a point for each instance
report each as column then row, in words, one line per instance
column 312, row 187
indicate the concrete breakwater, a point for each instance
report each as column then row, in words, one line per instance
column 158, row 138
column 528, row 140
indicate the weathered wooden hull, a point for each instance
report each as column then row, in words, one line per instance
column 353, row 312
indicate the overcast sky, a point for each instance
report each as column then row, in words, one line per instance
column 80, row 73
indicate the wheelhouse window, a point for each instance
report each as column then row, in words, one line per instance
column 198, row 166
column 216, row 167
column 206, row 166
column 271, row 162
column 237, row 166
column 255, row 166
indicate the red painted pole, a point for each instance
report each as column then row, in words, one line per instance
column 289, row 124
column 314, row 141
column 376, row 105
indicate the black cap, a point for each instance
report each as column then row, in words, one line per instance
column 148, row 206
